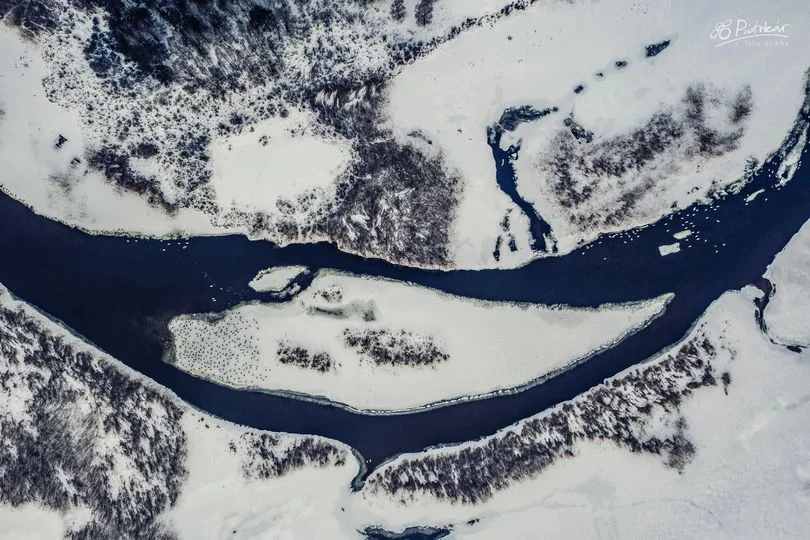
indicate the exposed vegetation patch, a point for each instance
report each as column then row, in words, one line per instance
column 294, row 355
column 640, row 412
column 77, row 433
column 579, row 132
column 270, row 456
column 410, row 533
column 114, row 164
column 31, row 16
column 398, row 11
column 395, row 203
column 403, row 348
column 424, row 12
column 331, row 295
column 654, row 49
column 602, row 182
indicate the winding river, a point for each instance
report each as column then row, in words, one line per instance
column 119, row 293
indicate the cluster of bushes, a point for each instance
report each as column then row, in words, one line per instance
column 293, row 355
column 710, row 140
column 387, row 348
column 654, row 49
column 395, row 202
column 30, row 16
column 267, row 456
column 331, row 295
column 115, row 166
column 424, row 12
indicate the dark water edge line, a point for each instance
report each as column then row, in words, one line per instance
column 120, row 295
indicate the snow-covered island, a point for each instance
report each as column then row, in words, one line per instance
column 379, row 345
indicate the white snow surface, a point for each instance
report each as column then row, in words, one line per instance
column 786, row 314
column 487, row 346
column 218, row 501
column 30, row 522
column 275, row 279
column 280, row 158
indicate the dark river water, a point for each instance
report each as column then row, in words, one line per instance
column 506, row 178
column 120, row 293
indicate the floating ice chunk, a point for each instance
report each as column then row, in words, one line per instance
column 682, row 234
column 754, row 195
column 275, row 279
column 668, row 249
